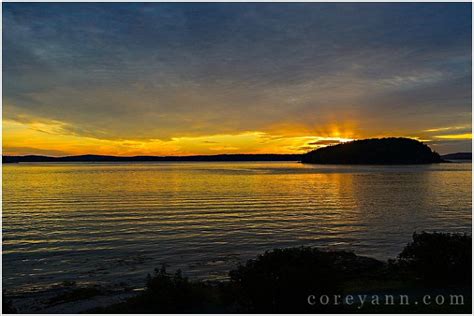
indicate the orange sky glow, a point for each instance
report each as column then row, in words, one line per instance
column 180, row 79
column 50, row 139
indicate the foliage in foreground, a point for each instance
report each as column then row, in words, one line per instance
column 280, row 281
column 7, row 306
column 439, row 258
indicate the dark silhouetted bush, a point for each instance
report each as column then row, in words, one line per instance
column 281, row 280
column 7, row 306
column 170, row 293
column 439, row 258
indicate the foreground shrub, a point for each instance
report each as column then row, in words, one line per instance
column 7, row 306
column 439, row 258
column 281, row 280
column 169, row 293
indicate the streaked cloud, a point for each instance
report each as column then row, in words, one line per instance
column 21, row 151
column 325, row 142
column 227, row 77
column 449, row 128
column 455, row 136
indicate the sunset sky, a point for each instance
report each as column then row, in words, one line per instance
column 182, row 79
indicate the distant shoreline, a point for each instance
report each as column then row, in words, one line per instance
column 194, row 158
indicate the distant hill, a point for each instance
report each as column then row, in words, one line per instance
column 385, row 151
column 458, row 156
column 100, row 158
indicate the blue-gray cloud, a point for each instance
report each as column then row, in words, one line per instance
column 158, row 70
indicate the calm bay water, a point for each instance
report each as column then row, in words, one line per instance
column 107, row 223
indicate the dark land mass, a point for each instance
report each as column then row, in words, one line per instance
column 100, row 158
column 458, row 156
column 281, row 281
column 388, row 151
column 381, row 151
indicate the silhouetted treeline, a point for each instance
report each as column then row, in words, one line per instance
column 458, row 156
column 367, row 151
column 374, row 151
column 101, row 158
column 280, row 281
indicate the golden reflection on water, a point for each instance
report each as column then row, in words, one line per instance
column 95, row 222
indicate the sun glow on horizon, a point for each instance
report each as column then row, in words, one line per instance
column 52, row 138
column 212, row 80
column 55, row 139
